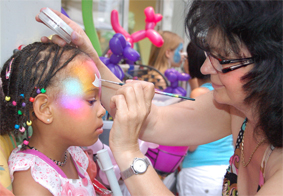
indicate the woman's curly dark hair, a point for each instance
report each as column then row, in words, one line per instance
column 257, row 24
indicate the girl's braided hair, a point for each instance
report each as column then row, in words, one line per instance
column 32, row 71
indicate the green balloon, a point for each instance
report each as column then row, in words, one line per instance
column 89, row 25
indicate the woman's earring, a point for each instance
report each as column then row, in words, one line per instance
column 48, row 120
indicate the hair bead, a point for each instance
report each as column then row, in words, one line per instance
column 14, row 103
column 43, row 90
column 31, row 99
column 26, row 142
column 23, row 104
column 22, row 129
column 29, row 122
column 17, row 126
column 20, row 112
column 7, row 98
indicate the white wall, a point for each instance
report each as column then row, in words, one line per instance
column 18, row 25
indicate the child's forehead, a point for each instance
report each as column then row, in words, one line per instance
column 85, row 68
column 85, row 72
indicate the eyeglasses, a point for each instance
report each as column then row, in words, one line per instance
column 217, row 62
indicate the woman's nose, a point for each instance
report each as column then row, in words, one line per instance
column 207, row 67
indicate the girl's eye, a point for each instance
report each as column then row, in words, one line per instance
column 91, row 102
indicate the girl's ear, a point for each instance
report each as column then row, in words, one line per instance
column 167, row 53
column 42, row 108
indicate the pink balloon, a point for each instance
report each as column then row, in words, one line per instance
column 116, row 25
column 139, row 35
column 149, row 32
column 154, row 37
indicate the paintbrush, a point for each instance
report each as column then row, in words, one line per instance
column 157, row 92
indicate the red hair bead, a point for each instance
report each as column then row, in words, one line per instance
column 31, row 99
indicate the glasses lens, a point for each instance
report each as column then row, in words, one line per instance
column 214, row 62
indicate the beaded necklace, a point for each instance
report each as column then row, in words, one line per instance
column 59, row 163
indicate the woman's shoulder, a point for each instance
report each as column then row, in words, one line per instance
column 275, row 163
column 273, row 174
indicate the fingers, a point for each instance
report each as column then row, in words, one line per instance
column 147, row 88
column 78, row 37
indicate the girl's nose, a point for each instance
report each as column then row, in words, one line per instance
column 101, row 111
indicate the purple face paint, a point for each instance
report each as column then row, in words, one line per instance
column 177, row 53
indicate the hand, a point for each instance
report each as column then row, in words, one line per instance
column 132, row 103
column 78, row 37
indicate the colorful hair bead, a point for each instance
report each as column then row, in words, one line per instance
column 7, row 98
column 26, row 142
column 23, row 104
column 31, row 99
column 22, row 95
column 20, row 112
column 17, row 126
column 29, row 123
column 43, row 90
column 22, row 129
column 38, row 91
column 14, row 103
column 8, row 70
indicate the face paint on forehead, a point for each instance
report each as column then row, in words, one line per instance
column 87, row 74
column 72, row 91
column 177, row 54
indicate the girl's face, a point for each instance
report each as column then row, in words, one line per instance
column 79, row 108
column 227, row 86
column 175, row 57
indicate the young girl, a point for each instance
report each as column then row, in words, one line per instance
column 165, row 57
column 55, row 91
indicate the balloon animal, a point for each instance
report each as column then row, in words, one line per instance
column 121, row 49
column 149, row 32
column 174, row 77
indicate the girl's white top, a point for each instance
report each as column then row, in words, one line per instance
column 49, row 175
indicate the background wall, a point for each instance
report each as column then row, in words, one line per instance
column 18, row 25
column 137, row 8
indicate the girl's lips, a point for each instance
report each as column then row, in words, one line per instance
column 100, row 129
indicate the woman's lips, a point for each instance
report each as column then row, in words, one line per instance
column 215, row 86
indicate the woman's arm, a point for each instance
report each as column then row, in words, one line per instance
column 188, row 122
column 133, row 102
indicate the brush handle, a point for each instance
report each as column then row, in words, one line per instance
column 157, row 92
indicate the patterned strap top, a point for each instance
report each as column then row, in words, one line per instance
column 230, row 179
